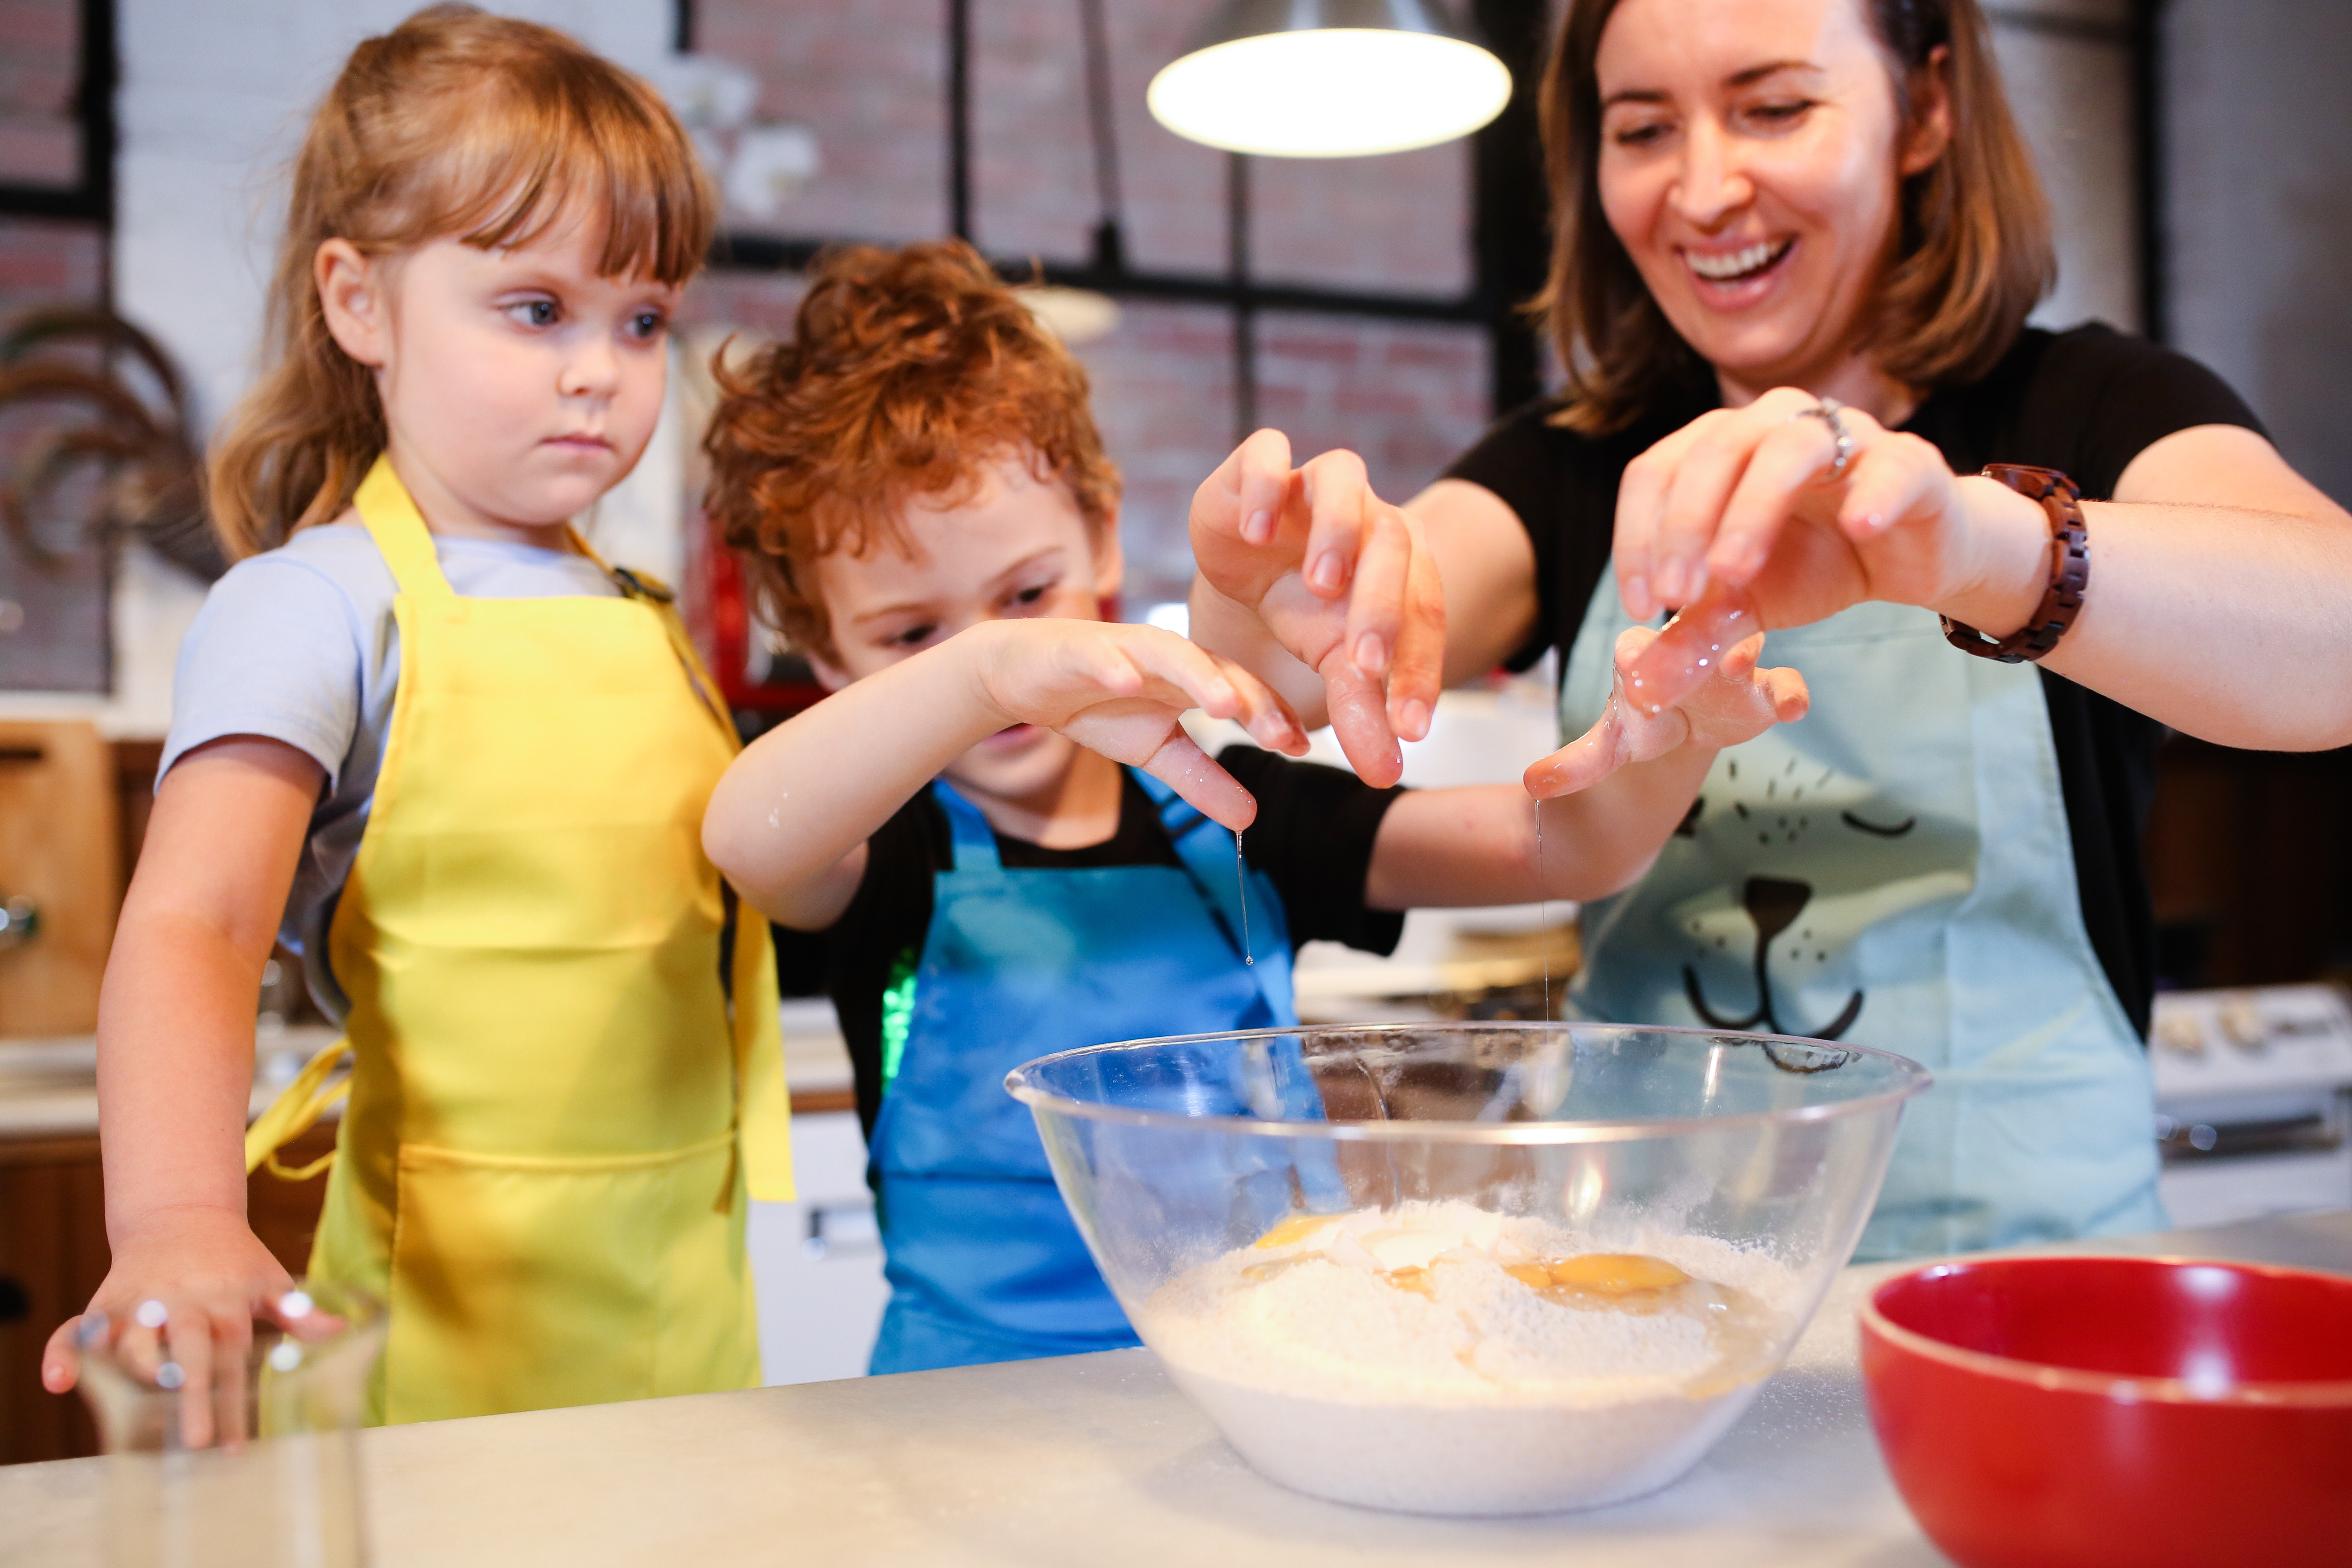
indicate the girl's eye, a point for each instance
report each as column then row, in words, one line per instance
column 535, row 312
column 649, row 325
column 1030, row 595
column 913, row 637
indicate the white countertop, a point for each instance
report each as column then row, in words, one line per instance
column 1084, row 1460
column 48, row 1088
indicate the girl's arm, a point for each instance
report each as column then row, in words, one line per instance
column 1609, row 799
column 788, row 823
column 175, row 1030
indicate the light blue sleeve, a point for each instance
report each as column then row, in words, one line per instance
column 278, row 650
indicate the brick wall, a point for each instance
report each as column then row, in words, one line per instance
column 870, row 80
column 45, row 262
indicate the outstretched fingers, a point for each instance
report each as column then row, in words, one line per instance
column 1338, row 497
column 1360, row 720
column 1243, row 498
column 1192, row 773
column 1687, row 651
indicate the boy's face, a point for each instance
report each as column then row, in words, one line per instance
column 1016, row 547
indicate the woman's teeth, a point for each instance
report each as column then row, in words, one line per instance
column 1727, row 266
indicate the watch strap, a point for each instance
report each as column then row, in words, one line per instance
column 2070, row 569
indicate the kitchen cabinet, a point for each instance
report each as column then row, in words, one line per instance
column 59, row 885
column 53, row 1254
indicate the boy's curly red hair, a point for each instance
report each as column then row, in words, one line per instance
column 909, row 374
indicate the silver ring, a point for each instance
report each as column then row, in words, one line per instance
column 1827, row 411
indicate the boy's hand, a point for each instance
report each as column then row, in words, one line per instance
column 1121, row 689
column 1736, row 701
column 186, row 1287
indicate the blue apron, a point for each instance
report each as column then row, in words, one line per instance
column 1895, row 870
column 983, row 1260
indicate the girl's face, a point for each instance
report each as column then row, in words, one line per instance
column 1751, row 159
column 518, row 385
column 1017, row 546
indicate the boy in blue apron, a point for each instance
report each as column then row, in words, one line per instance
column 1007, row 841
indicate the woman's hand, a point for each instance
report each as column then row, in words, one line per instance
column 1732, row 701
column 1742, row 517
column 186, row 1286
column 1341, row 581
column 1122, row 690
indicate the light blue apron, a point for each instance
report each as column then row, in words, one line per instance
column 1894, row 870
column 983, row 1260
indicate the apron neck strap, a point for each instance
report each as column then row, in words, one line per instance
column 399, row 532
column 975, row 840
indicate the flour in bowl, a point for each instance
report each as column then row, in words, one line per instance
column 1440, row 1358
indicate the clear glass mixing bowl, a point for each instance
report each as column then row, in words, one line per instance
column 1470, row 1268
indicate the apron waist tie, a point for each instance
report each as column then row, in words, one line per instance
column 294, row 1112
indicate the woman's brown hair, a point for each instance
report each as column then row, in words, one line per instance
column 908, row 372
column 1972, row 257
column 454, row 124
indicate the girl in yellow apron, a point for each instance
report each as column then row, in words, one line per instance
column 478, row 760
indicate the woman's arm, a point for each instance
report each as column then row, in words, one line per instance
column 2220, row 581
column 789, row 821
column 175, row 1032
column 2221, row 596
column 1609, row 799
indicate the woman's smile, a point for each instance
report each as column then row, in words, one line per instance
column 1727, row 278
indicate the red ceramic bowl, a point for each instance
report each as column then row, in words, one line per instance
column 2092, row 1412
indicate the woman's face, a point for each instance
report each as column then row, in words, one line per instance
column 1750, row 160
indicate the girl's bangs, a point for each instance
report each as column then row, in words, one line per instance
column 509, row 185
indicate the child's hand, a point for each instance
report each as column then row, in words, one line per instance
column 1120, row 690
column 1735, row 702
column 186, row 1287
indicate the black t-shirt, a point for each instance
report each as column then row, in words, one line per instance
column 2086, row 402
column 1312, row 839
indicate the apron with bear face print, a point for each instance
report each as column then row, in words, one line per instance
column 1894, row 870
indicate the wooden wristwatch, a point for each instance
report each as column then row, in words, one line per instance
column 2070, row 569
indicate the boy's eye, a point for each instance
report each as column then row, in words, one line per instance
column 1030, row 595
column 913, row 637
column 534, row 312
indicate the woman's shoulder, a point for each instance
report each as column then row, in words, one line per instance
column 2086, row 401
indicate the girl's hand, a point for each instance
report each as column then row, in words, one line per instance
column 1741, row 516
column 185, row 1287
column 1733, row 701
column 1340, row 579
column 1121, row 689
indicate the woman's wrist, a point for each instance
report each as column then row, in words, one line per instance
column 2007, row 539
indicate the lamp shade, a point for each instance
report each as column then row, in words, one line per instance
column 1329, row 79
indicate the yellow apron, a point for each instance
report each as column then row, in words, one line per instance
column 553, row 1120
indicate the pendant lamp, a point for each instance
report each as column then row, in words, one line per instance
column 1331, row 78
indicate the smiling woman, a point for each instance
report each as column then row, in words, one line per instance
column 1796, row 245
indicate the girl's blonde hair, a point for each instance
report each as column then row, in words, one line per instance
column 454, row 124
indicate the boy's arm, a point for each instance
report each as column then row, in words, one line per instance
column 1611, row 798
column 788, row 823
column 175, row 1055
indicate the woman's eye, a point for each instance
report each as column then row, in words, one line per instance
column 1639, row 136
column 535, row 312
column 1780, row 114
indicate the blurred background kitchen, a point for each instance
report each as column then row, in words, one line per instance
column 2198, row 153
